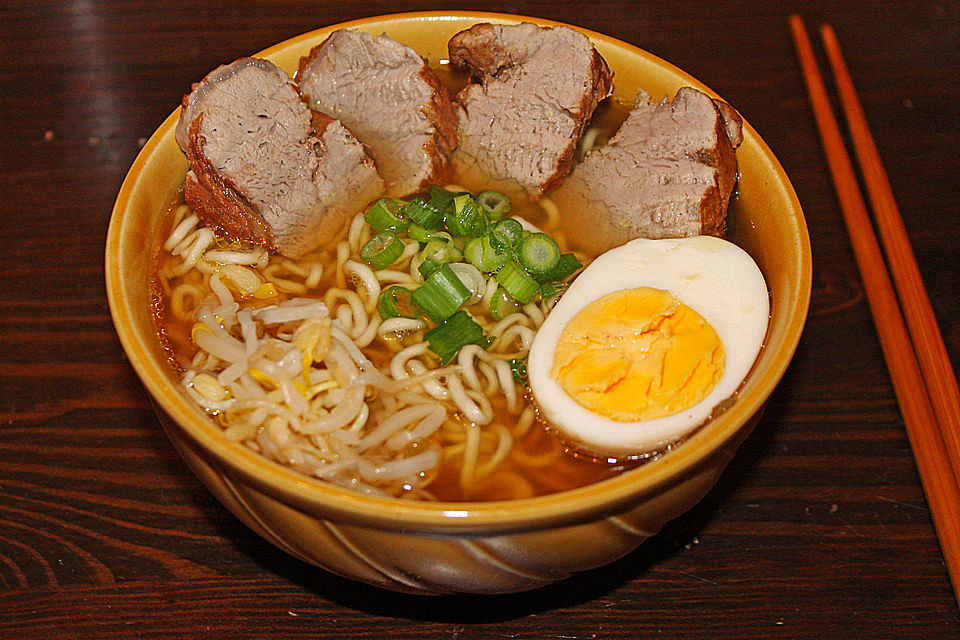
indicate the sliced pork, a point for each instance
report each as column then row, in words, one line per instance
column 668, row 172
column 538, row 87
column 385, row 93
column 259, row 170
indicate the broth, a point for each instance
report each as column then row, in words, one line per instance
column 537, row 463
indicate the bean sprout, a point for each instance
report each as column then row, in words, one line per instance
column 281, row 363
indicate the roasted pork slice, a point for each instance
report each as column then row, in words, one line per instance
column 260, row 170
column 538, row 87
column 387, row 95
column 668, row 172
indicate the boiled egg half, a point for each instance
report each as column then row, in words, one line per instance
column 648, row 340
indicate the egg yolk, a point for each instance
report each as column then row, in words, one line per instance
column 637, row 354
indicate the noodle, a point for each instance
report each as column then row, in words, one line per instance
column 292, row 359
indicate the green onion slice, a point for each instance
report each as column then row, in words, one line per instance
column 549, row 289
column 441, row 294
column 440, row 250
column 427, row 215
column 427, row 267
column 441, row 199
column 506, row 234
column 466, row 218
column 517, row 282
column 494, row 204
column 472, row 279
column 386, row 214
column 382, row 250
column 457, row 331
column 481, row 253
column 396, row 302
column 502, row 304
column 538, row 253
column 418, row 233
column 566, row 267
column 519, row 370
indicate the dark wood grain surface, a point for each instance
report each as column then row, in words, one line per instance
column 819, row 528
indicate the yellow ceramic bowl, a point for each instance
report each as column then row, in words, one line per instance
column 434, row 548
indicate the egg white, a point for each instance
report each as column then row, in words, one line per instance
column 715, row 278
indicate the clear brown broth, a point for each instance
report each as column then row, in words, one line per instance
column 566, row 470
column 524, row 473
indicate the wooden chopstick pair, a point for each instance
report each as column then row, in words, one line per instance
column 916, row 356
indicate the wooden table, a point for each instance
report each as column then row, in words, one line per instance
column 819, row 529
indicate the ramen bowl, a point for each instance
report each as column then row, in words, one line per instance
column 464, row 547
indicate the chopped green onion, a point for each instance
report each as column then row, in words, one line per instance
column 382, row 250
column 395, row 302
column 441, row 198
column 519, row 370
column 472, row 251
column 502, row 304
column 440, row 236
column 549, row 289
column 466, row 218
column 472, row 279
column 386, row 214
column 538, row 253
column 441, row 294
column 418, row 233
column 481, row 253
column 457, row 331
column 427, row 267
column 425, row 214
column 567, row 265
column 439, row 250
column 506, row 234
column 517, row 282
column 494, row 204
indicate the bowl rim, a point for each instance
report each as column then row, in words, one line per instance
column 604, row 497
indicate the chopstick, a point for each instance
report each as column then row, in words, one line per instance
column 924, row 332
column 938, row 476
